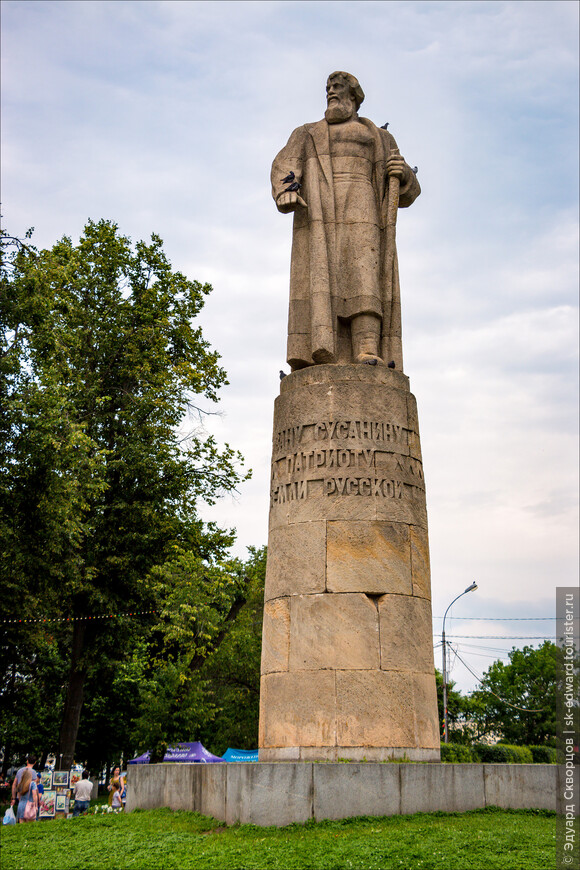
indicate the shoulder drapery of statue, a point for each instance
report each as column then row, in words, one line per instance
column 344, row 179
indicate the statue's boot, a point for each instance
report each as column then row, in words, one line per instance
column 366, row 339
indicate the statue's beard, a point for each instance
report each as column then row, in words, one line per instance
column 338, row 111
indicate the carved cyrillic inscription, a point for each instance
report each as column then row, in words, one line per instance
column 311, row 460
column 361, row 429
column 336, row 458
column 408, row 465
column 363, row 486
column 287, row 440
column 284, row 492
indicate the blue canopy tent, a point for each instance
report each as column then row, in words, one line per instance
column 141, row 759
column 191, row 753
column 240, row 755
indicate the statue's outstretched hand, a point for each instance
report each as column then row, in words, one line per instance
column 289, row 201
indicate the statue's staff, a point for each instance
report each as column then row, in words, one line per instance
column 390, row 249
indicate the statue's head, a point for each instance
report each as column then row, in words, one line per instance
column 343, row 96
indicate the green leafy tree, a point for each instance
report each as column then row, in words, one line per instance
column 30, row 692
column 101, row 365
column 518, row 700
column 232, row 671
column 112, row 702
column 200, row 670
column 45, row 460
column 197, row 599
column 200, row 676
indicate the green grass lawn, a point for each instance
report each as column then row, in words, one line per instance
column 476, row 840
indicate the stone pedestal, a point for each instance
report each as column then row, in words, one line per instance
column 347, row 660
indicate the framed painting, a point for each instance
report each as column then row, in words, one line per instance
column 46, row 779
column 75, row 776
column 61, row 803
column 47, row 805
column 60, row 777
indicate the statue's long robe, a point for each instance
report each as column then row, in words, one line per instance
column 314, row 279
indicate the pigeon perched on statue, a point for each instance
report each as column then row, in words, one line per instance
column 294, row 187
column 289, row 178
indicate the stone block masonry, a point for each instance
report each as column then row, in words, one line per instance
column 347, row 661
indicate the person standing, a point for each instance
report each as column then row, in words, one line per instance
column 116, row 802
column 83, row 790
column 29, row 766
column 27, row 794
column 119, row 780
column 40, row 788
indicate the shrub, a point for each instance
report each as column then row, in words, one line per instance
column 503, row 753
column 456, row 753
column 520, row 755
column 500, row 753
column 544, row 754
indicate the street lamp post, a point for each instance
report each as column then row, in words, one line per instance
column 445, row 718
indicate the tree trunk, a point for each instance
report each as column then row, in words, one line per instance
column 74, row 700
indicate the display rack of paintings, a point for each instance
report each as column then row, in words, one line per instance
column 47, row 805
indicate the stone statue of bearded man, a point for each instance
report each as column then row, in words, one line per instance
column 344, row 287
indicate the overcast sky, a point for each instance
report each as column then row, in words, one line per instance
column 165, row 117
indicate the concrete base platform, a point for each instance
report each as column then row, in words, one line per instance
column 281, row 793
